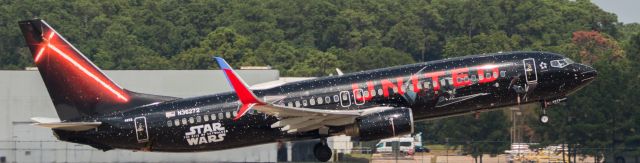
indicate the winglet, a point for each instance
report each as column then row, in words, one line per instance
column 247, row 98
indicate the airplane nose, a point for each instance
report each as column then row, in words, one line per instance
column 588, row 73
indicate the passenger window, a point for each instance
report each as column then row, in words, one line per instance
column 220, row 116
column 290, row 104
column 495, row 75
column 487, row 75
column 327, row 99
column 198, row 119
column 474, row 78
column 380, row 91
column 320, row 100
column 235, row 113
column 373, row 92
column 184, row 121
column 213, row 117
column 503, row 73
column 344, row 96
column 297, row 103
column 169, row 123
column 312, row 102
column 336, row 98
column 228, row 114
column 426, row 85
column 304, row 102
column 191, row 120
column 206, row 118
column 176, row 122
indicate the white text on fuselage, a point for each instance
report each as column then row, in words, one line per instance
column 188, row 111
column 206, row 133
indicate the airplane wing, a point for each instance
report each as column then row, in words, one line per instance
column 292, row 119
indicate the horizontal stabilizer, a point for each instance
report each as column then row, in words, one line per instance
column 68, row 126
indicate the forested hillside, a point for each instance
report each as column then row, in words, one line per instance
column 311, row 38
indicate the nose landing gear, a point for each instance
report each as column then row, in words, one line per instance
column 544, row 118
column 321, row 151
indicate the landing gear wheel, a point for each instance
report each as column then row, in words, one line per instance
column 544, row 118
column 322, row 152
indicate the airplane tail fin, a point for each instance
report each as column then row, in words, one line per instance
column 76, row 86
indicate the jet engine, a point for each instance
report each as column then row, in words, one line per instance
column 380, row 125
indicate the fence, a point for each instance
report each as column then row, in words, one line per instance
column 59, row 151
column 345, row 151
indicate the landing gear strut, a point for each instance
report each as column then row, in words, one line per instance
column 322, row 151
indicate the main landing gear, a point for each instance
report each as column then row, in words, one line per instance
column 322, row 151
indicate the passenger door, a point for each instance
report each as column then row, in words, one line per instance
column 531, row 74
column 142, row 133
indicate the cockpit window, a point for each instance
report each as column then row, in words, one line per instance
column 561, row 62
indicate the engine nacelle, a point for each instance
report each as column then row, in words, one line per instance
column 380, row 125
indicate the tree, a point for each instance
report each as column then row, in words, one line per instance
column 482, row 43
column 372, row 57
column 316, row 63
column 594, row 47
column 223, row 42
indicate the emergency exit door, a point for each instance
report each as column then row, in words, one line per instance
column 140, row 124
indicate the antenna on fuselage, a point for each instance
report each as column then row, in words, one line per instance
column 339, row 72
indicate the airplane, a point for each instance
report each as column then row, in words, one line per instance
column 367, row 105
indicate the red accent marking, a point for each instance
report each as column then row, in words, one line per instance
column 39, row 55
column 386, row 84
column 40, row 52
column 400, row 87
column 50, row 35
column 244, row 94
column 88, row 73
column 371, row 89
column 494, row 70
column 459, row 76
column 434, row 78
column 414, row 82
column 366, row 97
column 243, row 110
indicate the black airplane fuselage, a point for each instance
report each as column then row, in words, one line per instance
column 430, row 89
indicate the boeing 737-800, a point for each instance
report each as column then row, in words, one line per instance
column 367, row 105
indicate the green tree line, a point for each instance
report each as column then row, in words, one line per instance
column 311, row 38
